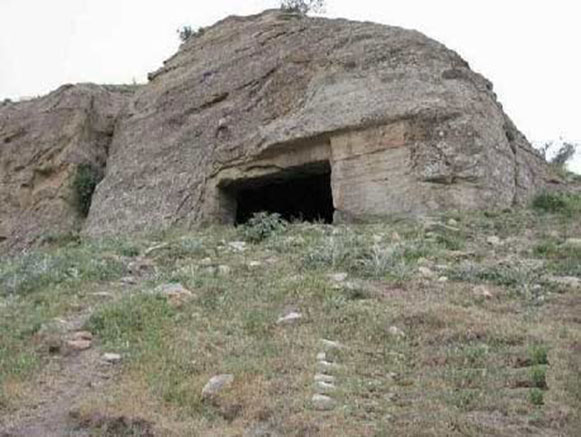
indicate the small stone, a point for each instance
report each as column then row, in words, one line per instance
column 426, row 272
column 152, row 249
column 565, row 281
column 224, row 270
column 216, row 384
column 321, row 356
column 254, row 264
column 211, row 270
column 396, row 332
column 338, row 277
column 321, row 377
column 176, row 294
column 389, row 397
column 494, row 240
column 330, row 345
column 452, row 222
column 327, row 366
column 237, row 246
column 322, row 402
column 573, row 242
column 103, row 294
column 290, row 318
column 141, row 267
column 206, row 262
column 82, row 335
column 439, row 227
column 443, row 279
column 78, row 345
column 323, row 387
column 482, row 291
column 111, row 358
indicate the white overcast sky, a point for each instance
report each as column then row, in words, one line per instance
column 530, row 49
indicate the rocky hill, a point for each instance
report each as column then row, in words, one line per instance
column 381, row 120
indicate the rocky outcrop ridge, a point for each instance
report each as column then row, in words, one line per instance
column 42, row 144
column 401, row 123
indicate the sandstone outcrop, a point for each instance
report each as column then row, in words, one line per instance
column 384, row 119
column 42, row 143
column 401, row 123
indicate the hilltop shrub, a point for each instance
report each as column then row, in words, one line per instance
column 302, row 7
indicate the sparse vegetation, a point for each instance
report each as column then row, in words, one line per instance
column 483, row 364
column 86, row 179
column 263, row 225
column 302, row 7
column 558, row 203
column 537, row 397
column 186, row 32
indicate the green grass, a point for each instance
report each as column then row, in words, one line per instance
column 466, row 363
column 66, row 265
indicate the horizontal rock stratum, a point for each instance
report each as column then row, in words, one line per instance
column 384, row 119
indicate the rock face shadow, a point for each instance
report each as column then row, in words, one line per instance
column 302, row 193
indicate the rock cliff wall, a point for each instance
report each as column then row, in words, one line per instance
column 402, row 123
column 42, row 144
column 405, row 124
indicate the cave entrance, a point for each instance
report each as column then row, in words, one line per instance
column 299, row 193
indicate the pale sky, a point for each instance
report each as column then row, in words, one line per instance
column 529, row 49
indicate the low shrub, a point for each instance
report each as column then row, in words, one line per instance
column 536, row 397
column 86, row 179
column 263, row 225
column 557, row 203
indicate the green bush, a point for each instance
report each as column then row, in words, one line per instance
column 539, row 376
column 84, row 184
column 539, row 354
column 536, row 396
column 186, row 32
column 263, row 225
column 302, row 7
column 558, row 203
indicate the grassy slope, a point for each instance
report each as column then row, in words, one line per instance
column 509, row 364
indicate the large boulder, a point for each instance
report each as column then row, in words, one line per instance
column 402, row 122
column 385, row 121
column 42, row 144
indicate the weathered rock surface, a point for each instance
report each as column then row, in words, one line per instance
column 404, row 123
column 42, row 143
column 216, row 384
column 401, row 122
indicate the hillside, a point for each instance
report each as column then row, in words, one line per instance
column 456, row 324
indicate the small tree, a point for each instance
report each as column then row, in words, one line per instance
column 302, row 7
column 185, row 33
column 564, row 154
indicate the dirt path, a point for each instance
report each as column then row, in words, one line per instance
column 62, row 385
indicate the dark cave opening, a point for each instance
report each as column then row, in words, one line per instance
column 302, row 193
